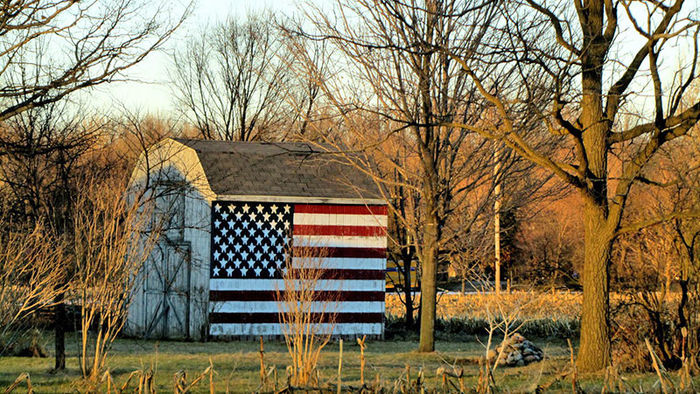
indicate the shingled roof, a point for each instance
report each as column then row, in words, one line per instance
column 279, row 169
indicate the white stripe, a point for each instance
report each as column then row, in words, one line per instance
column 276, row 329
column 348, row 263
column 328, row 307
column 331, row 219
column 337, row 241
column 278, row 284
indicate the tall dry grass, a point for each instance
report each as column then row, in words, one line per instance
column 307, row 316
column 532, row 305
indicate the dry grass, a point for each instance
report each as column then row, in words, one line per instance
column 236, row 367
column 532, row 305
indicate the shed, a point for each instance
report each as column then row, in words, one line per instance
column 232, row 210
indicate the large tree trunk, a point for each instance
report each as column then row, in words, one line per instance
column 59, row 322
column 428, row 286
column 594, row 351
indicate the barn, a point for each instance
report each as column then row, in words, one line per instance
column 228, row 211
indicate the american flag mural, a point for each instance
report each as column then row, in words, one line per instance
column 248, row 245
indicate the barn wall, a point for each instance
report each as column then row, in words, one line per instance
column 169, row 299
column 353, row 242
column 197, row 225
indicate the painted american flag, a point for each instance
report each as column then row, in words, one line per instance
column 248, row 245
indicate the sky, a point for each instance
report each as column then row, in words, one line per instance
column 147, row 90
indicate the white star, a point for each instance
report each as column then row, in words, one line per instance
column 224, row 215
column 257, row 255
column 252, row 216
column 257, row 271
column 274, row 207
column 266, row 216
column 239, row 215
column 229, row 271
column 217, row 223
column 260, row 208
column 237, row 263
column 286, row 208
column 217, row 239
column 244, row 270
column 229, row 254
column 231, row 207
column 286, row 225
column 258, row 239
column 273, row 223
column 246, row 208
column 216, row 255
column 217, row 207
column 216, row 271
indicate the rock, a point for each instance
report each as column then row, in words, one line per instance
column 516, row 351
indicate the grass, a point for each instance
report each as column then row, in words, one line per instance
column 237, row 364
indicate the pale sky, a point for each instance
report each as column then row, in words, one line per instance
column 153, row 95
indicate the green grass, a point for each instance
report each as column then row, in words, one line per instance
column 237, row 364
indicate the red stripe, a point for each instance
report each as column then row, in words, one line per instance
column 362, row 231
column 343, row 274
column 343, row 296
column 340, row 252
column 341, row 209
column 247, row 318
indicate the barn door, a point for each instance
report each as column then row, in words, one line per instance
column 167, row 291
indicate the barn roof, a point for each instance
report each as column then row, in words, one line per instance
column 279, row 169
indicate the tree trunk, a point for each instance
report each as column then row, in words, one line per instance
column 407, row 260
column 59, row 324
column 594, row 351
column 429, row 283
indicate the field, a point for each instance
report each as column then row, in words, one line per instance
column 547, row 319
column 237, row 365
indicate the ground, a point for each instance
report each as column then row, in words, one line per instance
column 237, row 365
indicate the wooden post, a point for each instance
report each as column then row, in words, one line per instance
column 340, row 367
column 262, row 364
column 361, row 342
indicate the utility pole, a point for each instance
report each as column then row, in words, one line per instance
column 497, row 219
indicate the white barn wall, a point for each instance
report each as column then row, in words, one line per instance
column 197, row 232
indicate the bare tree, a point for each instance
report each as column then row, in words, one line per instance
column 91, row 44
column 109, row 248
column 44, row 152
column 230, row 80
column 389, row 70
column 574, row 54
column 30, row 275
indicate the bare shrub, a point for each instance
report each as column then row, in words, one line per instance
column 109, row 248
column 306, row 314
column 30, row 276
